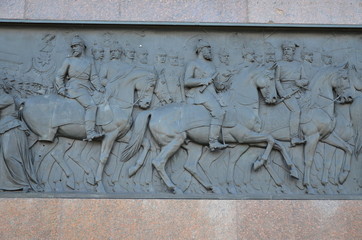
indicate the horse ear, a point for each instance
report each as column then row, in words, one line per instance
column 354, row 68
column 346, row 66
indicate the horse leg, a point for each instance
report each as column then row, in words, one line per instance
column 231, row 167
column 327, row 162
column 334, row 140
column 160, row 161
column 288, row 160
column 141, row 159
column 309, row 152
column 107, row 145
column 254, row 137
column 194, row 153
column 266, row 163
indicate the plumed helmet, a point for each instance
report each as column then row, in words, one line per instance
column 77, row 41
column 201, row 44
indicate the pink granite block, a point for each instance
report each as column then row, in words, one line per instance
column 184, row 11
column 72, row 10
column 305, row 12
column 138, row 10
column 12, row 9
column 179, row 219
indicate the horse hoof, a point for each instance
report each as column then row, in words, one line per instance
column 114, row 178
column 324, row 181
column 232, row 190
column 90, row 179
column 100, row 188
column 132, row 171
column 176, row 190
column 311, row 191
column 258, row 164
column 343, row 176
column 294, row 173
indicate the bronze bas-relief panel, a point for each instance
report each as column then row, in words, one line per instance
column 206, row 110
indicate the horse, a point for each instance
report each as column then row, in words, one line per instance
column 64, row 117
column 318, row 119
column 173, row 125
column 355, row 111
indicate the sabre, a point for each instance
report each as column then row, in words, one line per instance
column 205, row 86
column 287, row 96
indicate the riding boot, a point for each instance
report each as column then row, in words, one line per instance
column 90, row 124
column 213, row 138
column 294, row 129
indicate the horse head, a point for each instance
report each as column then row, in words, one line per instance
column 145, row 88
column 265, row 81
column 342, row 86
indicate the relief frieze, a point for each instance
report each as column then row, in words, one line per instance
column 213, row 111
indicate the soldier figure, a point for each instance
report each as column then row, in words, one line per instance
column 115, row 69
column 269, row 55
column 327, row 58
column 98, row 56
column 161, row 89
column 130, row 54
column 174, row 75
column 77, row 79
column 224, row 69
column 250, row 61
column 199, row 77
column 290, row 80
column 307, row 57
column 143, row 56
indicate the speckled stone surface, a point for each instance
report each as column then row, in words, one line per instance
column 305, row 11
column 12, row 9
column 231, row 11
column 179, row 219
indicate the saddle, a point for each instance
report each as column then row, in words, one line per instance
column 203, row 117
column 69, row 111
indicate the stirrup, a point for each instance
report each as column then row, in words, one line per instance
column 296, row 141
column 93, row 135
column 215, row 145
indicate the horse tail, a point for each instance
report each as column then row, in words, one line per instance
column 138, row 132
column 356, row 116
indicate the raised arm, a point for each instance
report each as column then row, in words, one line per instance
column 191, row 81
column 60, row 77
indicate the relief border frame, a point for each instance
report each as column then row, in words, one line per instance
column 179, row 26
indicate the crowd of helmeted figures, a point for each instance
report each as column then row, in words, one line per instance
column 202, row 85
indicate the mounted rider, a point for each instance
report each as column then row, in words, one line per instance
column 200, row 90
column 77, row 79
column 290, row 81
